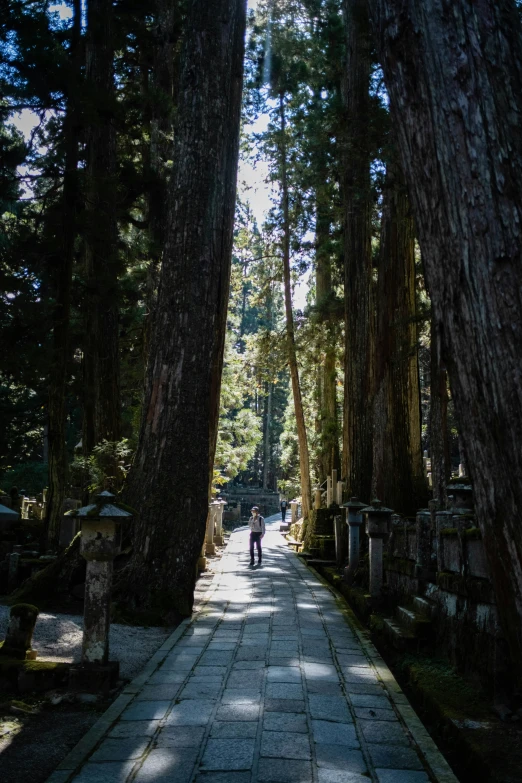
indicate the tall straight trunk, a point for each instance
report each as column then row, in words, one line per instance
column 170, row 478
column 304, row 456
column 266, row 440
column 439, row 434
column 357, row 422
column 398, row 471
column 329, row 457
column 453, row 70
column 58, row 376
column 101, row 354
column 166, row 33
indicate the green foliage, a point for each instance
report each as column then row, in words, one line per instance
column 31, row 476
column 106, row 467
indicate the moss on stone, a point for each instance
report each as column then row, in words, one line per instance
column 450, row 694
column 45, row 666
column 449, row 531
column 472, row 533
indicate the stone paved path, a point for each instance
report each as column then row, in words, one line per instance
column 269, row 683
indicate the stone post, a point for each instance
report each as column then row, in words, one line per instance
column 17, row 644
column 210, row 547
column 293, row 508
column 354, row 520
column 334, row 486
column 377, row 525
column 340, row 487
column 329, row 493
column 442, row 520
column 218, row 535
column 99, row 544
column 317, row 503
column 423, row 532
column 338, row 531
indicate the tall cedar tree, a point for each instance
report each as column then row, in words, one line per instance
column 170, row 477
column 454, row 76
column 304, row 457
column 102, row 407
column 63, row 266
column 398, row 471
column 358, row 363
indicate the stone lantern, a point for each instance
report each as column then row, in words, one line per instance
column 377, row 526
column 354, row 520
column 100, row 542
column 218, row 535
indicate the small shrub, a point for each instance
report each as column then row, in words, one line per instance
column 31, row 476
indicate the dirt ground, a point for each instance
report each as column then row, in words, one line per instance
column 32, row 744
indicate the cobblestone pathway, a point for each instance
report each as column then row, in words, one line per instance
column 268, row 683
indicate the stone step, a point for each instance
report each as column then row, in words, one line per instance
column 417, row 623
column 401, row 637
column 423, row 606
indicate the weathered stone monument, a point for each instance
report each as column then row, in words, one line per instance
column 354, row 520
column 377, row 526
column 17, row 644
column 101, row 533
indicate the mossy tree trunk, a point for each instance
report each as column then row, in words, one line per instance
column 398, row 471
column 63, row 266
column 453, row 71
column 101, row 318
column 162, row 87
column 357, row 423
column 170, row 478
column 328, row 456
column 439, row 433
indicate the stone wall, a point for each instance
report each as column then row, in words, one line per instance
column 440, row 556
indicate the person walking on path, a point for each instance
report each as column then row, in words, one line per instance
column 283, row 506
column 256, row 524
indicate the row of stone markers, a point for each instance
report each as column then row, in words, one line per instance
column 427, row 577
column 214, row 535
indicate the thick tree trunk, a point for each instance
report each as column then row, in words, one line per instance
column 328, row 457
column 357, row 423
column 101, row 355
column 170, row 479
column 439, row 434
column 57, row 412
column 398, row 471
column 304, row 456
column 166, row 38
column 453, row 70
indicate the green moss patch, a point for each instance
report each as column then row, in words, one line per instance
column 454, row 697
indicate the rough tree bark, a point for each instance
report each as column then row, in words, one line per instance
column 398, row 471
column 439, row 434
column 328, row 456
column 304, row 456
column 357, row 422
column 101, row 354
column 63, row 265
column 169, row 481
column 166, row 32
column 453, row 70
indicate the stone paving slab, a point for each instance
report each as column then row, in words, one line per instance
column 272, row 681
